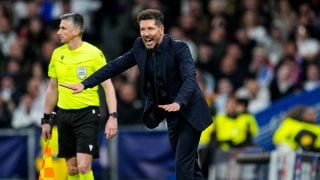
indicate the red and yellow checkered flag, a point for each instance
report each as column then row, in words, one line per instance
column 46, row 169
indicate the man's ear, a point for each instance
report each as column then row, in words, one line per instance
column 162, row 28
column 76, row 31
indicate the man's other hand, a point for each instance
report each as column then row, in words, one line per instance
column 173, row 107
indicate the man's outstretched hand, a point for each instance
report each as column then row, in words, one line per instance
column 76, row 88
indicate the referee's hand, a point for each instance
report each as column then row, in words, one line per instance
column 76, row 88
column 111, row 128
column 46, row 131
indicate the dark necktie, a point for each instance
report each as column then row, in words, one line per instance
column 154, row 67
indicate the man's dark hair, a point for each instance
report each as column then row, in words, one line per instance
column 296, row 111
column 76, row 19
column 243, row 101
column 148, row 14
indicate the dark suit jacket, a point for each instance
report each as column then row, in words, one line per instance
column 178, row 70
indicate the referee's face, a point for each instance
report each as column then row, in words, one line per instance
column 67, row 31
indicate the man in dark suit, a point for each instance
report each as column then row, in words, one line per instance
column 169, row 82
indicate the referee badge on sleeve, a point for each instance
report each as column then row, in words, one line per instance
column 82, row 72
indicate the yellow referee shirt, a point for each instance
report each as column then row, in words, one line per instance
column 73, row 66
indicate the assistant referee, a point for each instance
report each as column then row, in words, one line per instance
column 78, row 114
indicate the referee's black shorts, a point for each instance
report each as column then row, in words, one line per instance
column 78, row 131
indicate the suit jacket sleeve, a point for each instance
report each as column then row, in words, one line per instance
column 111, row 69
column 187, row 72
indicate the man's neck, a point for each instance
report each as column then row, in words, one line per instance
column 75, row 43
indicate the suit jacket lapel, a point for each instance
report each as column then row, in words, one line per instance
column 163, row 62
column 163, row 58
column 143, row 59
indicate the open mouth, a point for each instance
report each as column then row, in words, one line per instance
column 148, row 41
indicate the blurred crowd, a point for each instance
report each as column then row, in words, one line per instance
column 255, row 50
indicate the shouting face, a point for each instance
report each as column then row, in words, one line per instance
column 151, row 33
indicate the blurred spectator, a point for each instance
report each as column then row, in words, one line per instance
column 284, row 17
column 254, row 29
column 228, row 68
column 204, row 61
column 8, row 91
column 22, row 115
column 87, row 8
column 261, row 9
column 246, row 46
column 129, row 106
column 7, row 35
column 19, row 9
column 307, row 19
column 233, row 129
column 247, row 121
column 283, row 84
column 5, row 114
column 17, row 53
column 51, row 10
column 38, row 74
column 289, row 50
column 13, row 69
column 30, row 109
column 298, row 130
column 261, row 66
column 218, row 38
column 307, row 46
column 206, row 83
column 188, row 24
column 234, row 51
column 291, row 56
column 109, row 27
column 312, row 80
column 223, row 92
column 27, row 10
column 35, row 36
column 45, row 54
column 275, row 48
column 258, row 95
column 218, row 14
column 195, row 8
column 177, row 33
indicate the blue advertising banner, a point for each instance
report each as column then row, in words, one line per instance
column 13, row 157
column 144, row 155
column 270, row 118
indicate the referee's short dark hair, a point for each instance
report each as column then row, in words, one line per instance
column 148, row 14
column 75, row 18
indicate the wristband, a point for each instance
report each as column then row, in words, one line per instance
column 45, row 119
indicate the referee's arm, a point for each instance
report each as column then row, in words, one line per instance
column 111, row 127
column 50, row 102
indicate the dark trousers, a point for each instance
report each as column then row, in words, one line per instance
column 184, row 140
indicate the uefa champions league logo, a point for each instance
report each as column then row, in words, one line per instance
column 82, row 72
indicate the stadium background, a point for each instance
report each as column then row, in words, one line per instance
column 271, row 44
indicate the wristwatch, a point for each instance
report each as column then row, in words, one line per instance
column 114, row 114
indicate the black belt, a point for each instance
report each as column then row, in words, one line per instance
column 78, row 110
